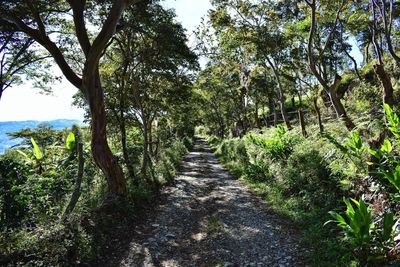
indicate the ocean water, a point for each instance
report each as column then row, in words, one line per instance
column 12, row 126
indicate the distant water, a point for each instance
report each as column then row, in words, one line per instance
column 14, row 126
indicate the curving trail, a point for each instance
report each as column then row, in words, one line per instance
column 210, row 219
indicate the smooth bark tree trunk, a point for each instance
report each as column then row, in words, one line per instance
column 281, row 94
column 77, row 189
column 388, row 96
column 302, row 122
column 301, row 116
column 321, row 75
column 145, row 152
column 256, row 120
column 317, row 110
column 337, row 104
column 366, row 54
column 146, row 163
column 128, row 162
column 276, row 116
column 271, row 107
column 284, row 113
column 101, row 151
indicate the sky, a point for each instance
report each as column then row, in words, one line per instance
column 24, row 102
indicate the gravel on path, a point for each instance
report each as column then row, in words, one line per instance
column 210, row 219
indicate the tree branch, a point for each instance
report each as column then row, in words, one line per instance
column 78, row 7
column 334, row 26
column 50, row 46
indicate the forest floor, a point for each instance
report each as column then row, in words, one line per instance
column 208, row 218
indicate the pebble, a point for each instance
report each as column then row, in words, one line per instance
column 169, row 235
column 251, row 236
column 152, row 240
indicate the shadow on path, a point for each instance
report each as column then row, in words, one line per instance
column 210, row 219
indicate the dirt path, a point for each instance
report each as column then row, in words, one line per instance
column 210, row 219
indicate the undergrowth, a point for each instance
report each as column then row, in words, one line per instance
column 303, row 179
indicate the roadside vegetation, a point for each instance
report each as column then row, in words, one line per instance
column 300, row 99
column 64, row 193
column 311, row 126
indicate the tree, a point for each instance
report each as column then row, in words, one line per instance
column 18, row 58
column 320, row 71
column 379, row 9
column 145, row 73
column 47, row 24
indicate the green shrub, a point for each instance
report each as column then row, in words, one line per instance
column 51, row 244
column 13, row 203
column 307, row 174
column 214, row 141
column 368, row 242
column 257, row 172
column 233, row 150
column 187, row 142
column 169, row 161
column 277, row 147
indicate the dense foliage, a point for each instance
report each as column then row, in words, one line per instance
column 299, row 99
column 56, row 208
column 304, row 101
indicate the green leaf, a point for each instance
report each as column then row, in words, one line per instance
column 394, row 177
column 374, row 153
column 36, row 150
column 357, row 141
column 338, row 219
column 23, row 153
column 386, row 146
column 388, row 223
column 70, row 142
column 388, row 109
column 350, row 210
column 393, row 119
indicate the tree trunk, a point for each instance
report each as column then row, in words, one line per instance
column 271, row 107
column 331, row 90
column 102, row 154
column 320, row 125
column 337, row 105
column 256, row 120
column 150, row 133
column 243, row 115
column 388, row 97
column 284, row 113
column 366, row 54
column 302, row 122
column 281, row 95
column 145, row 150
column 145, row 161
column 128, row 163
column 77, row 190
column 301, row 116
column 276, row 115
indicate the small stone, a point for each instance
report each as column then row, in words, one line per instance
column 155, row 225
column 228, row 264
column 152, row 240
column 169, row 235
